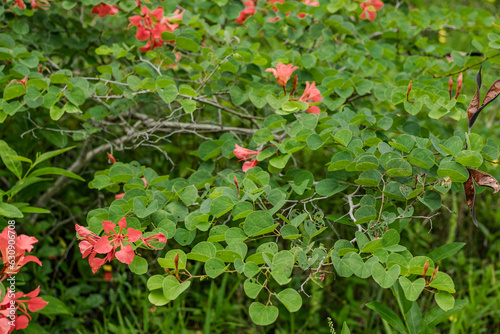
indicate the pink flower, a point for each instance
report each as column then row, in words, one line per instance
column 20, row 4
column 247, row 12
column 309, row 3
column 43, row 5
column 246, row 154
column 12, row 302
column 282, row 73
column 311, row 93
column 103, row 10
column 370, row 8
column 111, row 241
column 13, row 252
column 171, row 22
column 150, row 26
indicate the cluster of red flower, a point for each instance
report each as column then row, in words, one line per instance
column 13, row 250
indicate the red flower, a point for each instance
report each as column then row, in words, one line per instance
column 370, row 8
column 171, row 22
column 20, row 4
column 311, row 93
column 108, row 244
column 111, row 158
column 282, row 73
column 246, row 154
column 43, row 5
column 103, row 10
column 151, row 25
column 309, row 3
column 12, row 302
column 247, row 12
column 13, row 248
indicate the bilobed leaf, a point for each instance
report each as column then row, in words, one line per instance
column 484, row 179
column 470, row 197
column 445, row 300
column 291, row 299
column 263, row 315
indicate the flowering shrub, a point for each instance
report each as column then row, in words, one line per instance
column 202, row 165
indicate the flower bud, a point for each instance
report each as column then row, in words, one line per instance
column 450, row 86
column 426, row 267
column 459, row 84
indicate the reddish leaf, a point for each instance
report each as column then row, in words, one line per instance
column 484, row 179
column 470, row 197
column 474, row 108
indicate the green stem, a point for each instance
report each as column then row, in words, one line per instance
column 401, row 308
column 453, row 219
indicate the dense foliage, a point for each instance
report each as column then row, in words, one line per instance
column 276, row 148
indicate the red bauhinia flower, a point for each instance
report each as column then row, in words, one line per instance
column 112, row 241
column 91, row 244
column 150, row 26
column 370, row 8
column 12, row 302
column 103, row 10
column 311, row 93
column 282, row 72
column 13, row 248
column 247, row 12
column 246, row 154
column 42, row 4
column 309, row 3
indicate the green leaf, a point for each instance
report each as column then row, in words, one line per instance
column 412, row 289
column 291, row 299
column 54, row 306
column 12, row 164
column 187, row 44
column 13, row 91
column 343, row 137
column 10, row 211
column 214, row 267
column 55, row 171
column 388, row 315
column 188, row 105
column 172, row 288
column 155, row 282
column 384, row 278
column 364, row 214
column 445, row 300
column 221, row 205
column 258, row 223
column 443, row 282
column 280, row 161
column 139, row 265
column 252, row 288
column 437, row 315
column 208, row 149
column 47, row 155
column 398, row 167
column 455, row 171
column 168, row 94
column 470, row 158
column 359, row 267
column 202, row 252
column 445, row 251
column 263, row 315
